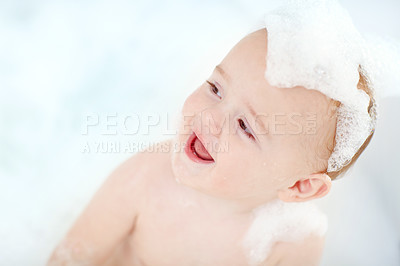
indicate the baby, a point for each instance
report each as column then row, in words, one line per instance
column 231, row 188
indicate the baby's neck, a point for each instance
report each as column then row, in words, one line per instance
column 228, row 207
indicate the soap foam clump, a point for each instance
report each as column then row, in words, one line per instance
column 314, row 44
column 281, row 221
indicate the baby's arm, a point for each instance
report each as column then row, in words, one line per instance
column 106, row 222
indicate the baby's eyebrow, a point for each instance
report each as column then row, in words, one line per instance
column 223, row 73
column 256, row 118
column 252, row 112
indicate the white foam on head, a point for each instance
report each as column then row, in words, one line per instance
column 314, row 44
column 281, row 221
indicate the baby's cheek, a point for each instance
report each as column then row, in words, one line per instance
column 194, row 102
column 188, row 105
column 229, row 182
column 187, row 115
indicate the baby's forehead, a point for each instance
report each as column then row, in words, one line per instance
column 248, row 56
column 266, row 98
column 244, row 68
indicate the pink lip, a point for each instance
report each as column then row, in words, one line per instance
column 191, row 153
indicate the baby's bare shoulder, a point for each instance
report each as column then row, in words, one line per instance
column 145, row 163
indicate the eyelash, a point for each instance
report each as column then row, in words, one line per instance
column 243, row 126
column 214, row 89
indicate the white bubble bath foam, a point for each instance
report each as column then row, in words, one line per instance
column 314, row 44
column 281, row 221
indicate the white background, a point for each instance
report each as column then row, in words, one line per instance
column 63, row 60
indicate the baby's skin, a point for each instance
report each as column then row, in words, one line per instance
column 178, row 203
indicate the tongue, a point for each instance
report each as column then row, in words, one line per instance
column 201, row 150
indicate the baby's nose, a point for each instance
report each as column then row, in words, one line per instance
column 212, row 121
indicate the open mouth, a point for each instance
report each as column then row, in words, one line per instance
column 196, row 150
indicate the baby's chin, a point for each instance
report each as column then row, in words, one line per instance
column 207, row 182
column 191, row 174
column 183, row 168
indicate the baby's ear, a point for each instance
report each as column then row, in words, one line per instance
column 312, row 187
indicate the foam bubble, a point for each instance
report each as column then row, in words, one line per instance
column 281, row 221
column 314, row 44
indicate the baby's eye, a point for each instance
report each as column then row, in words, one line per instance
column 214, row 89
column 246, row 130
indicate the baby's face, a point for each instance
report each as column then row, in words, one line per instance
column 258, row 139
